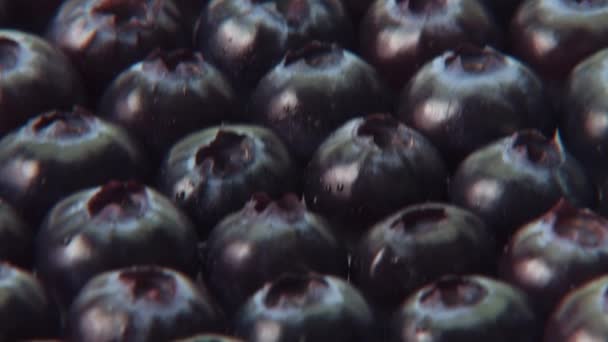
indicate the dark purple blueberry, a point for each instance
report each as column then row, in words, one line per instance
column 34, row 78
column 312, row 92
column 104, row 37
column 518, row 178
column 418, row 245
column 584, row 125
column 116, row 225
column 264, row 240
column 245, row 38
column 305, row 308
column 582, row 315
column 556, row 252
column 399, row 36
column 553, row 36
column 58, row 153
column 469, row 97
column 466, row 309
column 167, row 96
column 213, row 172
column 141, row 303
column 25, row 310
column 210, row 338
column 16, row 238
column 370, row 167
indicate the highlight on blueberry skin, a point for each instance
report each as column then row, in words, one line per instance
column 35, row 77
column 213, row 172
column 370, row 167
column 245, row 39
column 141, row 303
column 266, row 238
column 518, row 178
column 59, row 152
column 313, row 91
column 418, row 245
column 118, row 224
column 25, row 309
column 104, row 37
column 466, row 308
column 553, row 36
column 585, row 306
column 166, row 96
column 309, row 307
column 469, row 96
column 585, row 113
column 556, row 252
column 397, row 37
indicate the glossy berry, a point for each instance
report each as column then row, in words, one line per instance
column 25, row 310
column 584, row 123
column 264, row 240
column 305, row 308
column 555, row 253
column 142, row 303
column 370, row 167
column 16, row 237
column 312, row 92
column 399, row 36
column 115, row 225
column 469, row 97
column 245, row 38
column 518, row 178
column 167, row 96
column 581, row 315
column 418, row 245
column 34, row 78
column 213, row 172
column 58, row 153
column 554, row 35
column 466, row 308
column 104, row 37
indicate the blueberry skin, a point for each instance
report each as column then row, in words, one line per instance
column 166, row 96
column 264, row 240
column 581, row 315
column 470, row 96
column 25, row 311
column 466, row 308
column 517, row 178
column 305, row 307
column 398, row 37
column 245, row 39
column 553, row 36
column 418, row 245
column 313, row 91
column 115, row 225
column 370, row 167
column 58, row 153
column 585, row 113
column 141, row 304
column 35, row 77
column 16, row 237
column 214, row 172
column 104, row 37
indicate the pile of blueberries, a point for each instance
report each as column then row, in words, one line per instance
column 304, row 170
